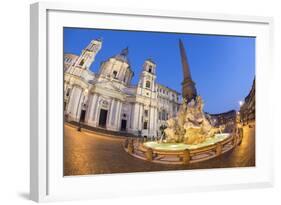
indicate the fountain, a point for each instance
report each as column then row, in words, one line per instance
column 190, row 127
column 190, row 136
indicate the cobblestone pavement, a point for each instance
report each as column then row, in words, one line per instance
column 88, row 153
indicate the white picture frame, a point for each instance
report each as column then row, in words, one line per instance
column 46, row 179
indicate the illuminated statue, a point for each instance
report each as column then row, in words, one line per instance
column 191, row 125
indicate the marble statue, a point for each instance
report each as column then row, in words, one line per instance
column 191, row 125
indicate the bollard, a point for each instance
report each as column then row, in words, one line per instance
column 235, row 136
column 240, row 135
column 149, row 154
column 218, row 149
column 186, row 157
column 240, row 141
column 131, row 147
column 126, row 143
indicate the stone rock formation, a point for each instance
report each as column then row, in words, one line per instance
column 191, row 125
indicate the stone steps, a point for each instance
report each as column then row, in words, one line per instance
column 102, row 130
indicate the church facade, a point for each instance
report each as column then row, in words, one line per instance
column 107, row 99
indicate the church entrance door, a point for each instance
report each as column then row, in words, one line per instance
column 123, row 125
column 82, row 115
column 103, row 116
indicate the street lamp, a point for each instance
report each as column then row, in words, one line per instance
column 241, row 102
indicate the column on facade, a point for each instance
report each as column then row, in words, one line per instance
column 125, row 76
column 80, row 103
column 114, row 107
column 74, row 100
column 151, row 121
column 92, row 106
column 89, row 102
column 155, row 121
column 114, row 119
column 68, row 88
column 111, row 113
column 131, row 116
column 96, row 110
column 140, row 117
column 153, row 85
column 135, row 117
column 118, row 116
column 121, row 72
column 65, row 87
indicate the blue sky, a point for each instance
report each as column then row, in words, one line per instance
column 223, row 67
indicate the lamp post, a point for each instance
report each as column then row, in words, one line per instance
column 241, row 103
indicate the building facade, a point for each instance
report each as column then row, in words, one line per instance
column 107, row 99
column 226, row 119
column 248, row 109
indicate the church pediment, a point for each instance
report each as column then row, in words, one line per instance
column 108, row 85
column 108, row 89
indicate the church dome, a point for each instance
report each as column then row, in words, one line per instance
column 118, row 67
column 123, row 55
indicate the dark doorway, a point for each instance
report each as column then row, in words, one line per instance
column 103, row 116
column 82, row 115
column 123, row 125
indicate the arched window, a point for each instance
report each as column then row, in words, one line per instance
column 67, row 92
column 145, row 125
column 164, row 115
column 114, row 73
column 81, row 62
column 146, row 113
column 150, row 69
column 147, row 84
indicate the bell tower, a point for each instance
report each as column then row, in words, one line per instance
column 188, row 86
column 88, row 54
column 148, row 76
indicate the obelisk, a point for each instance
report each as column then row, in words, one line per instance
column 188, row 86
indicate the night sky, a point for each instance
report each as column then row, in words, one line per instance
column 223, row 67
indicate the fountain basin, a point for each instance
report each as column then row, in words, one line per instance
column 180, row 153
column 181, row 146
